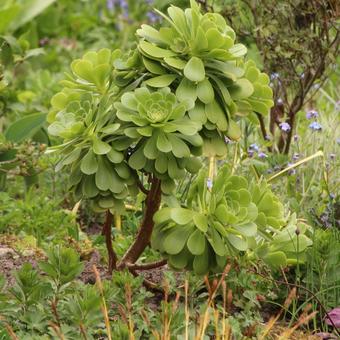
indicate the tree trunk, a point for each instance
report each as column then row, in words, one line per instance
column 153, row 201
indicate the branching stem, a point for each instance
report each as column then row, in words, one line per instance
column 153, row 201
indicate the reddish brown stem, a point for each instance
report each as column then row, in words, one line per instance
column 263, row 129
column 153, row 201
column 108, row 241
column 147, row 266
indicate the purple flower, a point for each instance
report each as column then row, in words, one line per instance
column 274, row 75
column 296, row 156
column 250, row 153
column 312, row 114
column 284, row 127
column 291, row 171
column 110, row 4
column 262, row 155
column 123, row 4
column 315, row 126
column 153, row 17
column 254, row 147
column 279, row 101
column 209, row 183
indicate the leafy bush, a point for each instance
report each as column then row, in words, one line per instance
column 154, row 111
column 35, row 215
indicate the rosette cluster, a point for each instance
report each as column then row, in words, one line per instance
column 166, row 138
column 232, row 217
column 94, row 146
column 197, row 55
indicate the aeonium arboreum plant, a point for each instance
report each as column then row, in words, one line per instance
column 139, row 121
column 226, row 220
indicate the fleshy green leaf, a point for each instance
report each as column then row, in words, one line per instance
column 196, row 243
column 194, row 70
column 100, row 147
column 89, row 164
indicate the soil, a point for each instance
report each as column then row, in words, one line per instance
column 11, row 261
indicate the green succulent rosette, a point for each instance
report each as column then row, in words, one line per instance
column 128, row 68
column 217, row 222
column 91, row 73
column 166, row 139
column 197, row 56
column 93, row 146
column 221, row 220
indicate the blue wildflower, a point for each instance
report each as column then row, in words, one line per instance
column 110, row 4
column 291, row 171
column 153, row 17
column 254, row 147
column 312, row 114
column 296, row 156
column 284, row 127
column 274, row 75
column 315, row 126
column 262, row 155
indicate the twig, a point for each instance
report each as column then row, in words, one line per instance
column 108, row 240
column 147, row 283
column 141, row 186
column 146, row 266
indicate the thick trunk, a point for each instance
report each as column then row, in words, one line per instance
column 153, row 201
